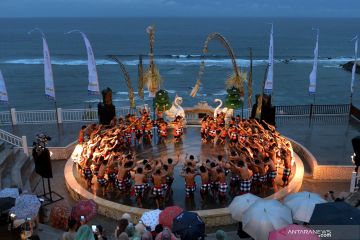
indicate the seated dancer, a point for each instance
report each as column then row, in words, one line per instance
column 157, row 191
column 190, row 162
column 212, row 131
column 112, row 170
column 162, row 130
column 128, row 135
column 222, row 184
column 245, row 174
column 178, row 129
column 222, row 135
column 271, row 172
column 286, row 155
column 138, row 133
column 190, row 185
column 87, row 172
column 214, row 184
column 170, row 172
column 148, row 127
column 122, row 179
column 233, row 135
column 81, row 135
column 101, row 176
column 204, row 129
column 139, row 186
column 113, row 122
column 260, row 180
column 205, row 184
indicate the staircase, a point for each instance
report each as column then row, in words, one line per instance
column 16, row 169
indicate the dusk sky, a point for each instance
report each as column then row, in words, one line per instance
column 180, row 8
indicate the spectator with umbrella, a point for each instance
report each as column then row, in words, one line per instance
column 302, row 204
column 189, row 226
column 167, row 216
column 86, row 208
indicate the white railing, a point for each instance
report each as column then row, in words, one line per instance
column 36, row 116
column 79, row 115
column 5, row 118
column 15, row 140
column 60, row 115
column 243, row 113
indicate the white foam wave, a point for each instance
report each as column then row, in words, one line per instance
column 220, row 93
column 179, row 61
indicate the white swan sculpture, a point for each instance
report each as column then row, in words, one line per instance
column 175, row 110
column 228, row 111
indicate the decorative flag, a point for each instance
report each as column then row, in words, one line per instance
column 93, row 87
column 312, row 86
column 3, row 93
column 269, row 79
column 48, row 73
column 354, row 66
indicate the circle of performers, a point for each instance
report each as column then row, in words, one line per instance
column 255, row 155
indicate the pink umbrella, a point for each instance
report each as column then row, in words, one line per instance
column 167, row 216
column 86, row 208
column 293, row 232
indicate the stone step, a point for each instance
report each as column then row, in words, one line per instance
column 2, row 145
column 20, row 161
column 26, row 174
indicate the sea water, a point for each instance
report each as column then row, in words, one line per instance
column 178, row 50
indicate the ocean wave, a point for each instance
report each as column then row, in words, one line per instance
column 183, row 61
column 220, row 93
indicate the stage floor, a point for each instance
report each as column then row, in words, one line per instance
column 191, row 144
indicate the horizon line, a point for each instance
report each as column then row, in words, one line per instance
column 279, row 17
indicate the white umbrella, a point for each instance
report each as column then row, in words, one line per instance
column 9, row 192
column 151, row 218
column 239, row 205
column 26, row 206
column 302, row 204
column 264, row 216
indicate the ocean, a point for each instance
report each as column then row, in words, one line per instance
column 178, row 49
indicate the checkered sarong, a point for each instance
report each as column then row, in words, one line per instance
column 190, row 189
column 87, row 173
column 102, row 181
column 245, row 185
column 139, row 190
column 223, row 187
column 119, row 184
column 157, row 192
column 272, row 175
column 205, row 187
column 286, row 174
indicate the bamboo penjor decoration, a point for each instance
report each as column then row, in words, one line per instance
column 152, row 77
column 127, row 80
column 236, row 80
column 140, row 79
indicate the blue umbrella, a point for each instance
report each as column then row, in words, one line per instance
column 189, row 226
column 335, row 213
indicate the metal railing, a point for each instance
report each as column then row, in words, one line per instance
column 309, row 110
column 91, row 115
column 16, row 141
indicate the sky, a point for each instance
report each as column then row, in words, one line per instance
column 180, row 8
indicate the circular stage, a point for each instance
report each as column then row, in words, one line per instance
column 113, row 205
